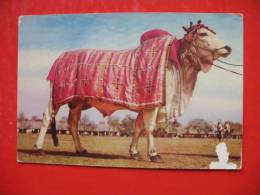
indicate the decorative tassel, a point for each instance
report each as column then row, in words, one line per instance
column 54, row 132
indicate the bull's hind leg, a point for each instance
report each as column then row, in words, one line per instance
column 45, row 122
column 44, row 126
column 139, row 127
column 149, row 117
column 74, row 116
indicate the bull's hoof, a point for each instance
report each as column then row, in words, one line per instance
column 157, row 159
column 38, row 151
column 82, row 152
column 56, row 142
column 136, row 156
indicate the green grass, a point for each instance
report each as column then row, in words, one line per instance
column 185, row 153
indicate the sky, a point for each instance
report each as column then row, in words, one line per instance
column 42, row 38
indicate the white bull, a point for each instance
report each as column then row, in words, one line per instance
column 198, row 49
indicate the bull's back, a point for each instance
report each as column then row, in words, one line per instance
column 89, row 73
column 132, row 78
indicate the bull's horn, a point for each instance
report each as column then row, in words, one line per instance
column 191, row 24
column 199, row 21
column 184, row 28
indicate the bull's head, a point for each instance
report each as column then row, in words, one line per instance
column 204, row 45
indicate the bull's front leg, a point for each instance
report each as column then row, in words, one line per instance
column 74, row 116
column 139, row 127
column 149, row 117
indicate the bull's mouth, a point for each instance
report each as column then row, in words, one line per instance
column 206, row 65
column 223, row 53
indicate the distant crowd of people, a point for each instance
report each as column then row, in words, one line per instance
column 223, row 131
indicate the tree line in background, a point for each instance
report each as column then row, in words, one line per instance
column 126, row 125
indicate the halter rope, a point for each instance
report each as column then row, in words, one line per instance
column 229, row 63
column 220, row 67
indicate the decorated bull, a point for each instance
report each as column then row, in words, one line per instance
column 156, row 80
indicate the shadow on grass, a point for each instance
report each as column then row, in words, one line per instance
column 199, row 155
column 73, row 154
column 108, row 156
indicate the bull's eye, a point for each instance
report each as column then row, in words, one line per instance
column 203, row 34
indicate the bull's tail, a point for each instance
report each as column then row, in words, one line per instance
column 54, row 132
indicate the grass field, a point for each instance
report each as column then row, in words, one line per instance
column 177, row 153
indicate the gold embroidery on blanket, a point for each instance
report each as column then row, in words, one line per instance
column 117, row 85
column 134, row 74
column 102, row 66
column 121, row 60
column 149, row 87
column 152, row 52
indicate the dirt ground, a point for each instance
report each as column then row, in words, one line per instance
column 177, row 153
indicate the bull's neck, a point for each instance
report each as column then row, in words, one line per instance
column 189, row 66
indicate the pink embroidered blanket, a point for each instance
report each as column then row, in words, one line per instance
column 133, row 78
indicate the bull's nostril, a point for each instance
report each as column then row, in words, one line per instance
column 228, row 48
